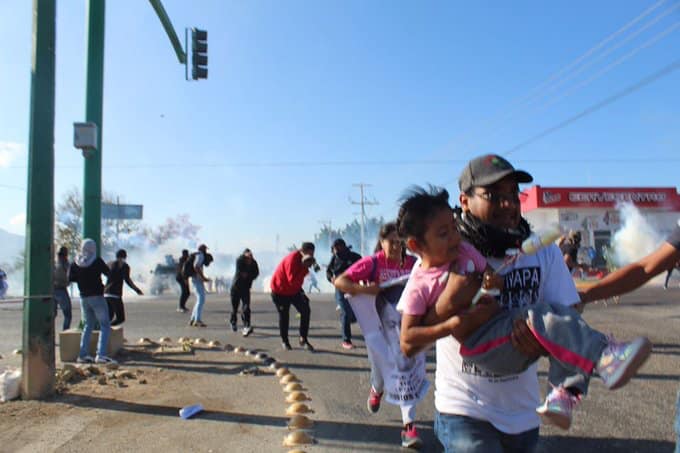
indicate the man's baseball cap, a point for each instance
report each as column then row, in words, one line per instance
column 202, row 247
column 489, row 169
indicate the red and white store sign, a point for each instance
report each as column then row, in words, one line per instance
column 599, row 197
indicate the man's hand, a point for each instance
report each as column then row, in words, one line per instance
column 140, row 292
column 524, row 341
column 464, row 324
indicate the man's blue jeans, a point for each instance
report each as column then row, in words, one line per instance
column 200, row 299
column 461, row 434
column 347, row 316
column 63, row 301
column 94, row 309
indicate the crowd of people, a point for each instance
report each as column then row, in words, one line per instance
column 454, row 277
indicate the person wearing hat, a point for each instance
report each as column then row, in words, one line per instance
column 246, row 271
column 343, row 257
column 113, row 291
column 286, row 287
column 476, row 412
column 199, row 279
column 61, row 296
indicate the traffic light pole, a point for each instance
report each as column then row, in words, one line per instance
column 92, row 187
column 38, row 323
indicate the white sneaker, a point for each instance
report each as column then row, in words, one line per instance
column 86, row 359
column 104, row 359
column 247, row 331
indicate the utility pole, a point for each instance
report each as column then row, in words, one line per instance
column 363, row 202
column 38, row 319
column 92, row 186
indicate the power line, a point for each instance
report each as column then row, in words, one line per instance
column 603, row 103
column 520, row 101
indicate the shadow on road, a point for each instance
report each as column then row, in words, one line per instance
column 549, row 444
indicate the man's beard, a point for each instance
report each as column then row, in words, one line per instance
column 488, row 239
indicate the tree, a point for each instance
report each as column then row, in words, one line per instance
column 116, row 233
column 351, row 233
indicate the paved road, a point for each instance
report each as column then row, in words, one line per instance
column 637, row 418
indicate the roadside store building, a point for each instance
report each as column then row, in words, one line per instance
column 592, row 210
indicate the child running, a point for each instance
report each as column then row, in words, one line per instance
column 575, row 349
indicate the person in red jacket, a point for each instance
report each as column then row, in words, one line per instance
column 286, row 286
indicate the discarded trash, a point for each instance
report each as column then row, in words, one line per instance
column 298, row 408
column 10, row 383
column 190, row 411
column 300, row 422
column 297, row 438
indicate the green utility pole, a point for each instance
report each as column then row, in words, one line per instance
column 92, row 187
column 38, row 329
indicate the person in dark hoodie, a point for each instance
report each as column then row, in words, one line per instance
column 246, row 271
column 86, row 271
column 343, row 258
column 113, row 291
column 60, row 280
column 183, row 282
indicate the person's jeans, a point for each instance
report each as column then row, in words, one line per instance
column 461, row 434
column 116, row 310
column 347, row 316
column 677, row 424
column 238, row 296
column 94, row 309
column 301, row 304
column 63, row 301
column 200, row 299
column 184, row 292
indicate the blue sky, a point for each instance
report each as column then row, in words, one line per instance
column 351, row 81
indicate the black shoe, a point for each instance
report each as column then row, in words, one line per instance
column 286, row 346
column 233, row 327
column 305, row 345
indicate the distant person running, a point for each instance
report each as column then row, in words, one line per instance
column 194, row 269
column 246, row 271
column 61, row 283
column 286, row 287
column 575, row 350
column 343, row 258
column 3, row 284
column 364, row 277
column 86, row 271
column 113, row 291
column 183, row 282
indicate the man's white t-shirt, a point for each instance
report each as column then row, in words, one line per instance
column 508, row 402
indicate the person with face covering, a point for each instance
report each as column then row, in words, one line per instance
column 113, row 291
column 246, row 271
column 479, row 412
column 86, row 271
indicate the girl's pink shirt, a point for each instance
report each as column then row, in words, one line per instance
column 385, row 269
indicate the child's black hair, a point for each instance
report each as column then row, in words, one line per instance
column 418, row 206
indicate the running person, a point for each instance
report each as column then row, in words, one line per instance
column 387, row 263
column 113, row 291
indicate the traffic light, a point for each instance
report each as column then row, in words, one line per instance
column 199, row 54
